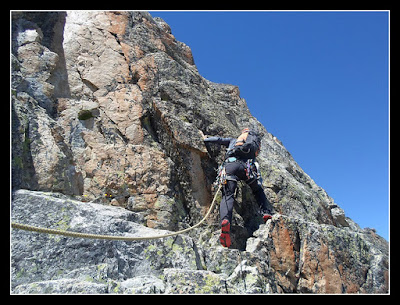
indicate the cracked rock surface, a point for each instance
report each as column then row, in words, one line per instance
column 108, row 113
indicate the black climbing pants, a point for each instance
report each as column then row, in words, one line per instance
column 237, row 170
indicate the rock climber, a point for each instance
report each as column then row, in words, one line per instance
column 239, row 165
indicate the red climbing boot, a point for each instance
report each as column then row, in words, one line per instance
column 225, row 238
column 266, row 217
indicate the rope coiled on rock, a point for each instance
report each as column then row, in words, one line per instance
column 25, row 227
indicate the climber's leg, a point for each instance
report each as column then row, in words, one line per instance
column 226, row 206
column 262, row 200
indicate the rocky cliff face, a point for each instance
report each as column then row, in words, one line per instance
column 108, row 111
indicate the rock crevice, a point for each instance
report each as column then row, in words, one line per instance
column 108, row 113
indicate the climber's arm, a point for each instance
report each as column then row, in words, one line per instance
column 218, row 140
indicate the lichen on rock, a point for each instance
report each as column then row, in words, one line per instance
column 108, row 114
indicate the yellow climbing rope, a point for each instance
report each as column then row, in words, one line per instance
column 20, row 226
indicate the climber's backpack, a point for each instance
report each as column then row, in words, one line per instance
column 247, row 146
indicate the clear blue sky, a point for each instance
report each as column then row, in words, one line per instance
column 318, row 81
